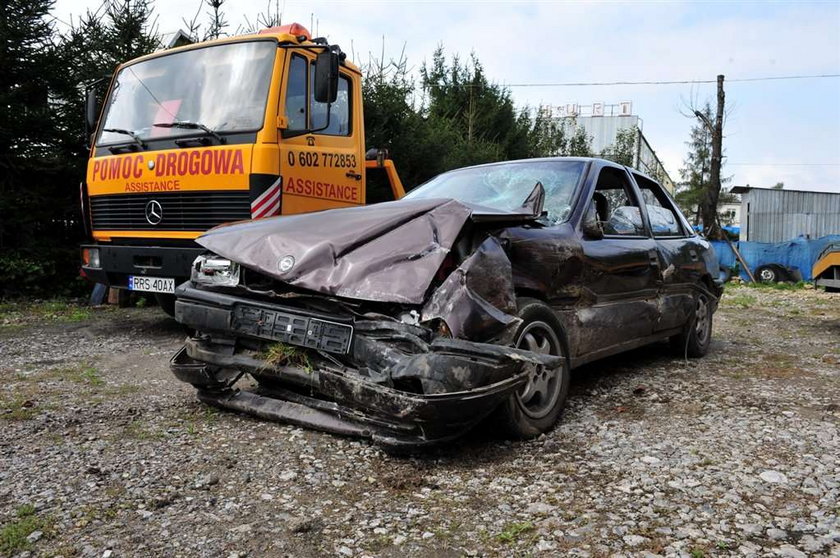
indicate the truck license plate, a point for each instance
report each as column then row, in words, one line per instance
column 151, row 284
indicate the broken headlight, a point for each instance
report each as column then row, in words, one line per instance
column 215, row 270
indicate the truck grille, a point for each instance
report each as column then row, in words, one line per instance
column 179, row 211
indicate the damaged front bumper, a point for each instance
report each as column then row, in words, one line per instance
column 395, row 384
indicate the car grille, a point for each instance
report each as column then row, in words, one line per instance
column 180, row 211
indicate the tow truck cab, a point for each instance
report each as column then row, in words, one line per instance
column 241, row 128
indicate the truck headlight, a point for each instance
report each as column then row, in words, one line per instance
column 215, row 270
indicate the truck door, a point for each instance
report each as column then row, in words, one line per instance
column 321, row 159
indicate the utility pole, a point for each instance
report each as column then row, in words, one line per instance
column 708, row 205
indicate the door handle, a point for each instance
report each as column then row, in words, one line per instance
column 351, row 174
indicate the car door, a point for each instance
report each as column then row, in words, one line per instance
column 680, row 254
column 620, row 270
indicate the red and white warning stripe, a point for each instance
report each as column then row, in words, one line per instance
column 268, row 204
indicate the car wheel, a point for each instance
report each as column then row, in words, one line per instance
column 768, row 274
column 695, row 339
column 535, row 408
column 166, row 303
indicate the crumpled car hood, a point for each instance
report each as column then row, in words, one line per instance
column 388, row 252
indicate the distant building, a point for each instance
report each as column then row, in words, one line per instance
column 175, row 39
column 602, row 122
column 730, row 214
column 771, row 215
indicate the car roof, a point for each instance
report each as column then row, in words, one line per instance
column 598, row 160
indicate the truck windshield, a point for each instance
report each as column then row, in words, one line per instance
column 223, row 87
column 504, row 186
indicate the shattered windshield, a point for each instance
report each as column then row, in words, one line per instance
column 222, row 87
column 505, row 186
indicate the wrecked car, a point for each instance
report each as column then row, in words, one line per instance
column 411, row 321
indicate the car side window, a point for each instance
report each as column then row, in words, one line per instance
column 663, row 216
column 296, row 94
column 617, row 211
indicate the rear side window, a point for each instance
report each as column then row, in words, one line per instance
column 663, row 216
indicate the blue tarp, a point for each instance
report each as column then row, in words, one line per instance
column 797, row 254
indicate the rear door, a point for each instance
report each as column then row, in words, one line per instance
column 680, row 254
column 621, row 270
column 322, row 169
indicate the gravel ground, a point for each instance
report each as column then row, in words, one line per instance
column 104, row 453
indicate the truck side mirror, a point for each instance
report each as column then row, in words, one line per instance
column 326, row 77
column 91, row 110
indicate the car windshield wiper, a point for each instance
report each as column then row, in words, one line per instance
column 186, row 124
column 129, row 133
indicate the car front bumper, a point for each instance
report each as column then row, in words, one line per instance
column 467, row 380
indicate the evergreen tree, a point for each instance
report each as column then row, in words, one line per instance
column 695, row 173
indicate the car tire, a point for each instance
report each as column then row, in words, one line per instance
column 769, row 274
column 535, row 408
column 696, row 337
column 166, row 303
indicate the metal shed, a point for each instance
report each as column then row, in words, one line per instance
column 770, row 215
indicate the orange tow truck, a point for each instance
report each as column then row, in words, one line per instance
column 246, row 127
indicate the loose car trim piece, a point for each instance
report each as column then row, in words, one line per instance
column 409, row 322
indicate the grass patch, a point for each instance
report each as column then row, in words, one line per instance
column 136, row 430
column 14, row 315
column 83, row 374
column 17, row 408
column 13, row 536
column 281, row 354
column 740, row 300
column 784, row 286
column 513, row 531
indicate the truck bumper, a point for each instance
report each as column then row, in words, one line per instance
column 118, row 262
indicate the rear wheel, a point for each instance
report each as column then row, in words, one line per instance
column 535, row 408
column 695, row 339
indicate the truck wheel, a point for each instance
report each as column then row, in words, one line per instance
column 695, row 339
column 166, row 303
column 535, row 408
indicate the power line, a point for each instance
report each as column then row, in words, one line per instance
column 783, row 164
column 668, row 82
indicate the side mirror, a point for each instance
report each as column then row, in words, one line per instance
column 326, row 77
column 91, row 110
column 591, row 227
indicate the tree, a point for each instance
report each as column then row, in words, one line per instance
column 623, row 150
column 696, row 170
column 42, row 143
column 778, row 186
column 711, row 193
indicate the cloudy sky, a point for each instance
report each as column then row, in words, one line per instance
column 777, row 130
